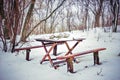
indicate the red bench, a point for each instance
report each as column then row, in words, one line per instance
column 28, row 49
column 70, row 58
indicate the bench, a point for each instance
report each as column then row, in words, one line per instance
column 70, row 58
column 28, row 49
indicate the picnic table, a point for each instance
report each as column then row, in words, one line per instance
column 68, row 57
column 53, row 47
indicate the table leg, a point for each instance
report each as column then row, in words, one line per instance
column 44, row 47
column 55, row 51
column 70, row 49
column 47, row 54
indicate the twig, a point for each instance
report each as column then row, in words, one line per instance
column 99, row 73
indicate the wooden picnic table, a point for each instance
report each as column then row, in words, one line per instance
column 53, row 47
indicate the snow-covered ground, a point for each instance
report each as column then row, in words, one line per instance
column 13, row 66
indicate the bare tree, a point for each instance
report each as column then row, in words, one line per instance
column 11, row 22
column 115, row 11
column 80, row 13
column 2, row 35
column 86, row 4
column 97, row 11
column 27, row 19
column 45, row 18
column 47, row 13
column 69, row 14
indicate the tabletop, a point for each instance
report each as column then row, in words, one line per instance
column 52, row 40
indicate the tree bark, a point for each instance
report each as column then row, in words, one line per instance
column 2, row 36
column 86, row 15
column 17, row 18
column 115, row 12
column 27, row 20
column 98, row 13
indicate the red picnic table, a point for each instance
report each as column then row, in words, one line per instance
column 53, row 47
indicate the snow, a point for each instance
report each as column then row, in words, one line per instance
column 13, row 66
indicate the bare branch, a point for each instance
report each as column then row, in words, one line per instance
column 46, row 18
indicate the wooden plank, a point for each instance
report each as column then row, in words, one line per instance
column 25, row 48
column 81, row 53
column 51, row 40
column 32, row 47
column 58, row 62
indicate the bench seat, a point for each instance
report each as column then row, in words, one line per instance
column 81, row 53
column 28, row 49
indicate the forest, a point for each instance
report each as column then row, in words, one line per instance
column 27, row 17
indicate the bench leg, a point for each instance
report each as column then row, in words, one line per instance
column 70, row 65
column 27, row 54
column 55, row 51
column 96, row 58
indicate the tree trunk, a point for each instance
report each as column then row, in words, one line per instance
column 115, row 15
column 86, row 16
column 97, row 20
column 27, row 19
column 17, row 18
column 98, row 13
column 2, row 17
column 2, row 36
